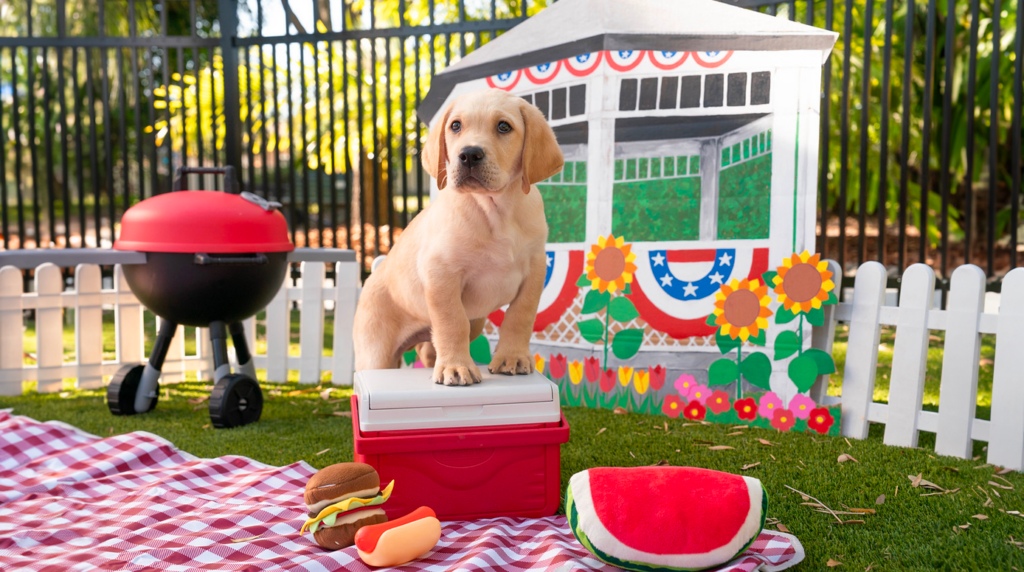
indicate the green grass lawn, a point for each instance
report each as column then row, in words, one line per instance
column 908, row 531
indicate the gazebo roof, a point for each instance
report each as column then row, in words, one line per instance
column 572, row 27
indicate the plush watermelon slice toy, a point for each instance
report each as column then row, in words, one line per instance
column 665, row 518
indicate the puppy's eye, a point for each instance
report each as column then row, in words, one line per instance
column 456, row 126
column 504, row 127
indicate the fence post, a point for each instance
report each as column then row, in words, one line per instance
column 12, row 347
column 910, row 354
column 958, row 391
column 862, row 349
column 278, row 335
column 49, row 328
column 311, row 322
column 1006, row 434
column 88, row 326
column 127, row 321
column 347, row 282
column 227, row 11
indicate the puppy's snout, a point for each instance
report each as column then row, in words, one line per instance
column 471, row 156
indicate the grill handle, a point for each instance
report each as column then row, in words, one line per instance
column 203, row 259
column 230, row 185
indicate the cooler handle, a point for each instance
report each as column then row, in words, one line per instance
column 230, row 186
column 203, row 259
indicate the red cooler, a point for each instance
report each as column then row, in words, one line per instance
column 468, row 452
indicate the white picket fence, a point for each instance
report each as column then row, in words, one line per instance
column 88, row 299
column 964, row 321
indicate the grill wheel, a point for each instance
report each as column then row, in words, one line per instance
column 236, row 400
column 123, row 388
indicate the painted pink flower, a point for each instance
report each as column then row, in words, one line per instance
column 608, row 380
column 684, row 383
column 592, row 369
column 801, row 406
column 698, row 393
column 768, row 405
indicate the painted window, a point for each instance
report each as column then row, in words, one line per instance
column 657, row 198
column 565, row 203
column 744, row 188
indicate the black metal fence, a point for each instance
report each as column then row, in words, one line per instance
column 313, row 101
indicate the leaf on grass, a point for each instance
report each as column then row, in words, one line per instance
column 632, row 455
column 322, row 452
column 964, row 526
column 1010, row 485
column 661, row 463
column 1002, row 486
column 602, row 430
column 620, row 411
column 833, row 563
column 720, row 448
column 844, row 458
column 247, row 539
column 915, row 481
column 342, row 413
column 196, row 400
column 980, row 516
column 734, row 434
column 880, row 499
column 207, row 426
column 766, row 442
column 812, row 504
column 740, row 427
column 110, row 430
column 982, row 466
column 853, row 522
column 781, row 527
column 1004, row 471
column 863, row 510
column 952, row 469
column 325, row 394
column 666, row 426
column 750, row 466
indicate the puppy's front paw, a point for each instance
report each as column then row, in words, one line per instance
column 456, row 372
column 511, row 363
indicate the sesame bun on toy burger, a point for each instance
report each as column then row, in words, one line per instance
column 341, row 499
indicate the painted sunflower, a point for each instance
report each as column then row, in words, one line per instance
column 610, row 264
column 803, row 282
column 741, row 308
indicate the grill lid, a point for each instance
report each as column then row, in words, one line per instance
column 204, row 221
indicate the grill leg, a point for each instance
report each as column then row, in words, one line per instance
column 151, row 374
column 219, row 339
column 245, row 363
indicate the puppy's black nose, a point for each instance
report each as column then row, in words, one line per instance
column 471, row 156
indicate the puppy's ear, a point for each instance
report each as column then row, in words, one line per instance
column 435, row 151
column 542, row 157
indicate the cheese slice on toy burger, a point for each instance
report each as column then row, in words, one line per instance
column 665, row 518
column 342, row 499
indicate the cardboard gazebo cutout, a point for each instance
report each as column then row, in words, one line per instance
column 690, row 133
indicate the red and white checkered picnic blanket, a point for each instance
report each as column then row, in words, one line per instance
column 74, row 501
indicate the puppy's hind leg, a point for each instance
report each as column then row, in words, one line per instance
column 376, row 331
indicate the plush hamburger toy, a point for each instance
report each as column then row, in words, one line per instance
column 665, row 518
column 341, row 499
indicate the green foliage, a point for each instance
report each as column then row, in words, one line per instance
column 626, row 343
column 657, row 209
column 595, row 301
column 786, row 344
column 564, row 207
column 592, row 330
column 722, row 371
column 824, row 362
column 621, row 309
column 784, row 316
column 757, row 369
column 725, row 343
column 480, row 350
column 803, row 370
column 744, row 199
column 583, row 281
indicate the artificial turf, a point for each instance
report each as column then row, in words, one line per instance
column 908, row 531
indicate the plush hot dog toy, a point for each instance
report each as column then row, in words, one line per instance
column 342, row 498
column 399, row 541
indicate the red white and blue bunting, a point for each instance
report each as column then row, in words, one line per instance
column 619, row 60
column 674, row 290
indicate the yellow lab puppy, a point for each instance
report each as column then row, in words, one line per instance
column 478, row 246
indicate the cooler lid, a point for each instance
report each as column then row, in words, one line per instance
column 393, row 399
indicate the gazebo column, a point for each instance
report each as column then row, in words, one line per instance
column 603, row 96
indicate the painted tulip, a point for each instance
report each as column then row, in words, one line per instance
column 625, row 375
column 576, row 372
column 657, row 377
column 540, row 363
column 607, row 380
column 641, row 380
column 592, row 369
column 557, row 366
